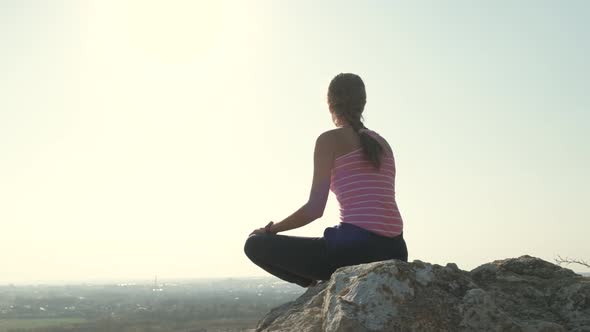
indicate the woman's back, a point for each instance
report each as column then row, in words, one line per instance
column 366, row 194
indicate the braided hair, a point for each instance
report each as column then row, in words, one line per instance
column 347, row 98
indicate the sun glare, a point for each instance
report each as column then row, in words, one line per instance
column 175, row 31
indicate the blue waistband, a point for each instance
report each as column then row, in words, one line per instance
column 345, row 232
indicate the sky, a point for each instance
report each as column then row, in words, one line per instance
column 143, row 138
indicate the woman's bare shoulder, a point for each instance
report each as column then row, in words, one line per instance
column 326, row 138
column 332, row 139
column 330, row 135
column 334, row 131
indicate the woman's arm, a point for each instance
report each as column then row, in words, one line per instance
column 320, row 188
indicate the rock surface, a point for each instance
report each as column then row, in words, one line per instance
column 517, row 294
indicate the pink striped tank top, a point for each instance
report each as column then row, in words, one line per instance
column 365, row 194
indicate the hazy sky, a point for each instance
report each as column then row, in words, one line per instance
column 150, row 138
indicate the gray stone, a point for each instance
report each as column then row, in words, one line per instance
column 518, row 294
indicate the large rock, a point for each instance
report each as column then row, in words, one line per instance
column 518, row 294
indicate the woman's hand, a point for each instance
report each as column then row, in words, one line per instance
column 261, row 230
column 258, row 231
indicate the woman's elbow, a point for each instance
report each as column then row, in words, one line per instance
column 314, row 211
column 318, row 215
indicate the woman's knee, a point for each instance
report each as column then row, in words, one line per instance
column 252, row 245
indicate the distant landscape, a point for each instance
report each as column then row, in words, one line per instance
column 206, row 305
column 230, row 304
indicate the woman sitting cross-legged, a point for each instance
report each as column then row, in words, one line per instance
column 358, row 166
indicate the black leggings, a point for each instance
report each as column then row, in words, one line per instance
column 301, row 260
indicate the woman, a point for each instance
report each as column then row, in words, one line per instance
column 358, row 165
